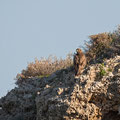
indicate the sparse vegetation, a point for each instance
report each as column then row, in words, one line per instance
column 103, row 71
column 45, row 67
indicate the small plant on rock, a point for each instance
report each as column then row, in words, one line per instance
column 102, row 71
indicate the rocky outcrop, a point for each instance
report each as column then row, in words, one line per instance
column 94, row 95
column 19, row 103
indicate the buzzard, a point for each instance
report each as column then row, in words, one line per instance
column 79, row 61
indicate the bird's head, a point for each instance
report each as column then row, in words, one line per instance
column 78, row 50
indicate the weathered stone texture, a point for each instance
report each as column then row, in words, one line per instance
column 94, row 95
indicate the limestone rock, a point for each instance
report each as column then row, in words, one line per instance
column 94, row 95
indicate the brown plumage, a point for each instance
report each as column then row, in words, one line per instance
column 79, row 61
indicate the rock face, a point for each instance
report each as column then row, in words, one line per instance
column 94, row 95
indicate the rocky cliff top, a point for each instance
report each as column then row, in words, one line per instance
column 94, row 95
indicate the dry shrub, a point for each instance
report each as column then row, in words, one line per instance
column 97, row 45
column 102, row 46
column 116, row 38
column 45, row 67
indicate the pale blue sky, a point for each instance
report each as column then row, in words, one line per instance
column 38, row 28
